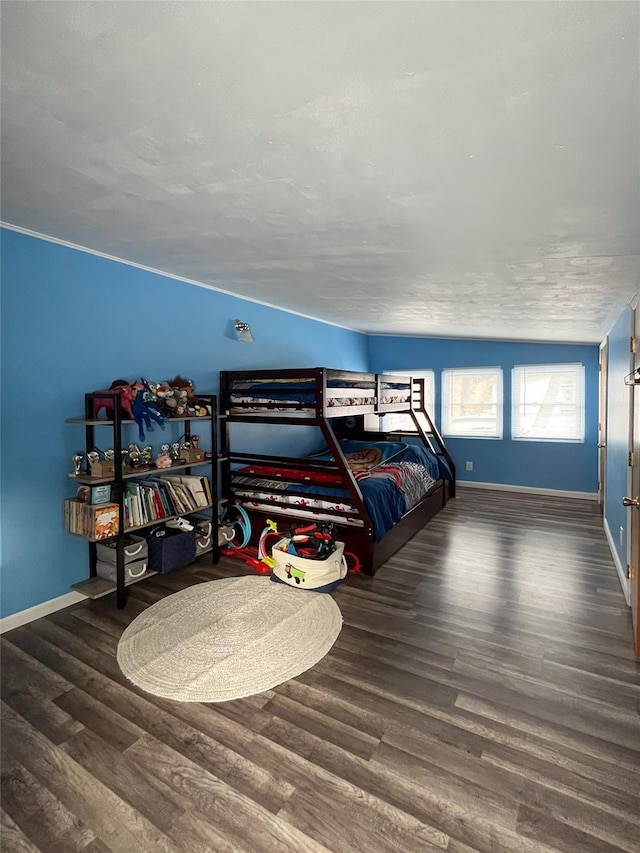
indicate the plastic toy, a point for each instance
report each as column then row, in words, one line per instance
column 163, row 460
column 247, row 554
column 180, row 524
column 236, row 519
column 356, row 568
column 263, row 552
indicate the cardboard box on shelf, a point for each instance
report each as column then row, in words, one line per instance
column 102, row 521
column 103, row 468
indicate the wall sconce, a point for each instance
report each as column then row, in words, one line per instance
column 243, row 331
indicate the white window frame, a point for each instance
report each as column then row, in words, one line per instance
column 402, row 421
column 518, row 375
column 446, row 403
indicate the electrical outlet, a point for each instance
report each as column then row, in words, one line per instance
column 469, row 466
column 622, row 535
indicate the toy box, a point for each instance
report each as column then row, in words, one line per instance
column 308, row 574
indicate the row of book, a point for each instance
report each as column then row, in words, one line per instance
column 156, row 498
column 92, row 521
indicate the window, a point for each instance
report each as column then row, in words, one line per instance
column 472, row 402
column 548, row 402
column 405, row 422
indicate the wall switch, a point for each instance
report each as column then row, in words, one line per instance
column 622, row 535
column 469, row 466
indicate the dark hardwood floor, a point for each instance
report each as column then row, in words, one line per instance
column 482, row 696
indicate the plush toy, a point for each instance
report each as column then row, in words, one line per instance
column 145, row 408
column 128, row 391
column 180, row 398
column 163, row 392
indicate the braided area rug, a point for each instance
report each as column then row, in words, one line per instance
column 227, row 638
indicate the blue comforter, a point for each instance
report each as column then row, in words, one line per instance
column 385, row 502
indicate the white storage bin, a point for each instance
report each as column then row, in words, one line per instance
column 135, row 548
column 132, row 570
column 204, row 540
column 308, row 574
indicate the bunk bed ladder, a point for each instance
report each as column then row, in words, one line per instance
column 428, row 430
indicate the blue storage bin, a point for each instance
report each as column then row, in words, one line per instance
column 170, row 549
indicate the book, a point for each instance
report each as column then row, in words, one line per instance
column 186, row 496
column 207, row 488
column 100, row 521
column 200, row 488
column 187, row 499
column 164, row 497
column 176, row 503
column 131, row 492
column 197, row 488
column 158, row 506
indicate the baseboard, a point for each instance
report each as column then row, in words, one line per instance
column 622, row 572
column 530, row 490
column 23, row 617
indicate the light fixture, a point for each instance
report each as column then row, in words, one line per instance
column 243, row 331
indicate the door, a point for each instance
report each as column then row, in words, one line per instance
column 633, row 500
column 602, row 424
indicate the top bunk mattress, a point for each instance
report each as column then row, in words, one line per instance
column 310, row 392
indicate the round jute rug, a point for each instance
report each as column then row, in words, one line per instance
column 227, row 638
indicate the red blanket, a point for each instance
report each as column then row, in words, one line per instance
column 303, row 475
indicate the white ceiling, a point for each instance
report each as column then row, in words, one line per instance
column 417, row 168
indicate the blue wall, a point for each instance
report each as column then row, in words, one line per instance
column 73, row 322
column 618, row 417
column 550, row 465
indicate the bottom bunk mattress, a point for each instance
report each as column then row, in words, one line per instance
column 393, row 477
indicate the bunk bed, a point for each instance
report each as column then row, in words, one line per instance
column 378, row 488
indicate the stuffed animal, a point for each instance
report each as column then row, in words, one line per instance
column 180, row 398
column 145, row 409
column 128, row 391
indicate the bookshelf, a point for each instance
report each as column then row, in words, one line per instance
column 147, row 485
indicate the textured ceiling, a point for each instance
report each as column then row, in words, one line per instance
column 419, row 168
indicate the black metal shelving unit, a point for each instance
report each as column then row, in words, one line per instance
column 95, row 586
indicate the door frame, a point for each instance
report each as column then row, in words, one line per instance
column 633, row 539
column 603, row 370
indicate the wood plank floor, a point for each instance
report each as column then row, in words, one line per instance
column 482, row 696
